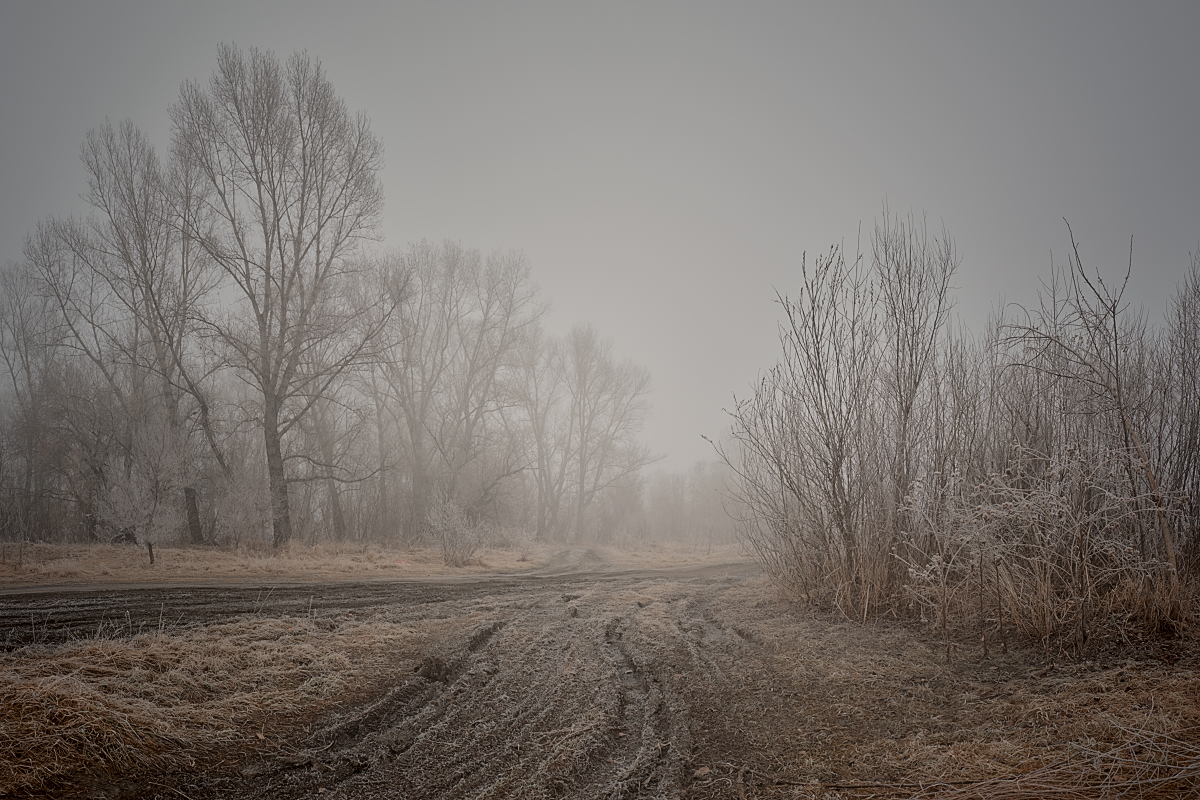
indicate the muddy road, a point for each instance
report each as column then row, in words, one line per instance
column 568, row 681
column 55, row 615
column 584, row 682
column 52, row 615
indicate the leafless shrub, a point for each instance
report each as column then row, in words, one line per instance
column 799, row 446
column 453, row 530
column 1038, row 477
column 1052, row 557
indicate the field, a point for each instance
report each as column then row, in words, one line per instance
column 573, row 673
column 40, row 566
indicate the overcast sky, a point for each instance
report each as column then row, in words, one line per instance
column 664, row 165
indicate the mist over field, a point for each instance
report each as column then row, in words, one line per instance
column 657, row 400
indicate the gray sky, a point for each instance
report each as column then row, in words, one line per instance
column 664, row 165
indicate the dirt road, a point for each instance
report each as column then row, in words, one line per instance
column 53, row 614
column 582, row 682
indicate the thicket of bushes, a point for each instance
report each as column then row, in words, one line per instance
column 1040, row 477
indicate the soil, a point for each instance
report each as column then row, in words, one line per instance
column 583, row 680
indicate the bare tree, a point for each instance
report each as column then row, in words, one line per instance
column 417, row 363
column 803, row 457
column 116, row 391
column 449, row 371
column 158, row 279
column 914, row 272
column 609, row 403
column 541, row 391
column 292, row 188
column 128, row 286
column 1082, row 335
column 31, row 343
column 501, row 306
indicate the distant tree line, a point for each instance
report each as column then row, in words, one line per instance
column 1042, row 476
column 216, row 352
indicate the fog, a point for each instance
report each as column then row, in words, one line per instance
column 663, row 167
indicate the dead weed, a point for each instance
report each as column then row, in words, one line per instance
column 158, row 700
column 52, row 564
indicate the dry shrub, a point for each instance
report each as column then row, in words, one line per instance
column 1045, row 551
column 1049, row 552
column 856, row 585
column 1047, row 465
column 1149, row 602
column 458, row 535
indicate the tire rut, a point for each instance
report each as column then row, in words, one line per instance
column 664, row 740
column 560, row 699
column 576, row 688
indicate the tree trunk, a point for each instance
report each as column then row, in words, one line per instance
column 384, row 528
column 540, row 525
column 579, row 500
column 418, row 507
column 281, row 518
column 335, row 502
column 331, row 485
column 193, row 515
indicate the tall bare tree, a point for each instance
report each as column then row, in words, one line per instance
column 416, row 366
column 134, row 241
column 292, row 188
column 541, row 393
column 31, row 344
column 609, row 403
column 914, row 271
column 448, row 372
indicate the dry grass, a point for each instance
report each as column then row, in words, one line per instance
column 663, row 555
column 1075, row 731
column 154, row 701
column 1150, row 764
column 51, row 564
column 845, row 710
column 1125, row 731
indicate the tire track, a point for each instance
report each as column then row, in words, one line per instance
column 561, row 698
column 574, row 687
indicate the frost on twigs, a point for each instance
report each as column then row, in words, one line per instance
column 459, row 537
